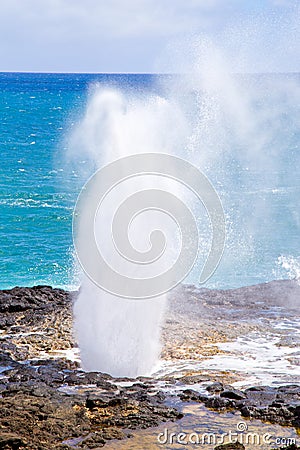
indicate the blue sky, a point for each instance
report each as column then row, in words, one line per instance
column 136, row 35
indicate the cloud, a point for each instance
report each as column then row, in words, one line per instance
column 115, row 18
column 99, row 35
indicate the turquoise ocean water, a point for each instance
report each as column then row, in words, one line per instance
column 38, row 192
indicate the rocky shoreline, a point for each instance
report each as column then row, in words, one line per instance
column 48, row 402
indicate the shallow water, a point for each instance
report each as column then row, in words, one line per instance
column 246, row 332
column 208, row 427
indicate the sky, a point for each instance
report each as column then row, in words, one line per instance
column 138, row 35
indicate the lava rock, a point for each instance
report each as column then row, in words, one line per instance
column 215, row 388
column 233, row 394
column 289, row 447
column 191, row 395
column 10, row 441
column 230, row 446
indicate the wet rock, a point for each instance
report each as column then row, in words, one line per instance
column 95, row 440
column 145, row 380
column 80, row 378
column 191, row 395
column 38, row 297
column 12, row 442
column 219, row 403
column 48, row 403
column 230, row 446
column 50, row 375
column 6, row 360
column 60, row 364
column 193, row 379
column 215, row 388
column 103, row 400
column 233, row 394
column 280, row 405
column 42, row 413
column 15, row 352
column 289, row 447
column 138, row 386
column 22, row 374
column 35, row 320
column 214, row 402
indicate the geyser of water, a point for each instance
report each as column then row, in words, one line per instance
column 119, row 335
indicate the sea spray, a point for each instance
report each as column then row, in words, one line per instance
column 228, row 126
column 243, row 136
column 120, row 335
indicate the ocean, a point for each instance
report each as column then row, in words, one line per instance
column 260, row 192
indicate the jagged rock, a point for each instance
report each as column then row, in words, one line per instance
column 279, row 405
column 38, row 297
column 215, row 388
column 193, row 379
column 10, row 441
column 191, row 395
column 232, row 393
column 48, row 402
column 289, row 447
column 230, row 446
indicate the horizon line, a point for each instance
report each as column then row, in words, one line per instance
column 138, row 73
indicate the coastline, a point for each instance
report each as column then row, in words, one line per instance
column 55, row 404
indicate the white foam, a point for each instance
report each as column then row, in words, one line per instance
column 259, row 357
column 290, row 266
